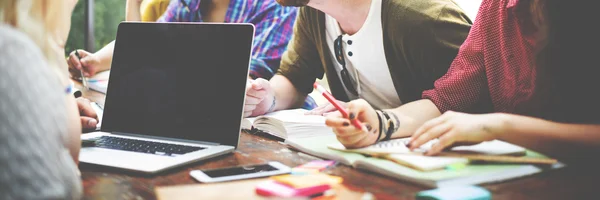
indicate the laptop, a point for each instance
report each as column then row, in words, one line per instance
column 175, row 95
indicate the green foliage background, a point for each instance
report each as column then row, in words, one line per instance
column 107, row 16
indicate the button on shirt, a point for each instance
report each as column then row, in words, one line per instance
column 365, row 59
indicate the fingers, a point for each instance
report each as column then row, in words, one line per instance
column 249, row 107
column 85, row 109
column 445, row 141
column 257, row 94
column 86, row 65
column 260, row 84
column 74, row 61
column 356, row 108
column 88, row 122
column 257, row 88
column 431, row 134
column 428, row 125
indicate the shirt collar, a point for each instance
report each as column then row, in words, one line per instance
column 512, row 3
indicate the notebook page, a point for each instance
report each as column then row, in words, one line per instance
column 494, row 147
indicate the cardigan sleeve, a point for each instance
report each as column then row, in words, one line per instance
column 301, row 62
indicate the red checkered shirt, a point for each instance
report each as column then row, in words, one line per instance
column 494, row 69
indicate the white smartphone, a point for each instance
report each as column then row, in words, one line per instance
column 240, row 172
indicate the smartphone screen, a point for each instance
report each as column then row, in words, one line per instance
column 239, row 170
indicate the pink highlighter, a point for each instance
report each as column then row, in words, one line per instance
column 333, row 102
column 273, row 188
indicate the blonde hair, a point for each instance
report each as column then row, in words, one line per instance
column 41, row 21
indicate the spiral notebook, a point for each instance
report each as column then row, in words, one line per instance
column 472, row 173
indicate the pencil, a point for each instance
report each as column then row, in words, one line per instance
column 83, row 78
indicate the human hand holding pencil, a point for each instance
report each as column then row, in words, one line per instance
column 355, row 126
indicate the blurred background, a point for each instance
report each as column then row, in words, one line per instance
column 106, row 16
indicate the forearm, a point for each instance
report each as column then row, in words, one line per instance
column 560, row 140
column 412, row 115
column 132, row 11
column 105, row 56
column 286, row 95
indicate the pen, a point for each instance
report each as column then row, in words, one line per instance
column 83, row 79
column 333, row 102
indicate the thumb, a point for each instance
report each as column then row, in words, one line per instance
column 88, row 122
column 260, row 83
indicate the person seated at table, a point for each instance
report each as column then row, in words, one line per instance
column 273, row 30
column 148, row 10
column 526, row 75
column 385, row 51
column 39, row 122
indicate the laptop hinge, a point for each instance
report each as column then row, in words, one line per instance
column 165, row 138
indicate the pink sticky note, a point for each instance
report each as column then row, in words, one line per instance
column 273, row 188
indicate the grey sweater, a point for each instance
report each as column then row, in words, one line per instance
column 34, row 162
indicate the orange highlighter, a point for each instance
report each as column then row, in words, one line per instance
column 333, row 102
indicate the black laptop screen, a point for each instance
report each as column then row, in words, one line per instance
column 183, row 81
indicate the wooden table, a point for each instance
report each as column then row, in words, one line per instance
column 99, row 182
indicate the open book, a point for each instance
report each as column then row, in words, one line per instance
column 470, row 175
column 287, row 124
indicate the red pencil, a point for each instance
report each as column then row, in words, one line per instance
column 333, row 102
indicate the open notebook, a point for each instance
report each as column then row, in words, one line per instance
column 402, row 155
column 470, row 175
column 99, row 82
column 287, row 124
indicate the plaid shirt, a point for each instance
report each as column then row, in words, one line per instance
column 274, row 28
column 273, row 24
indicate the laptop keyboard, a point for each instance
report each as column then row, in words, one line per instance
column 143, row 146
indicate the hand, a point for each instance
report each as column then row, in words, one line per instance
column 457, row 128
column 89, row 63
column 326, row 109
column 259, row 97
column 349, row 135
column 88, row 116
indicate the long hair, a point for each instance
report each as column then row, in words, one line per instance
column 44, row 22
column 568, row 79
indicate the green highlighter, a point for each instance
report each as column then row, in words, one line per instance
column 455, row 193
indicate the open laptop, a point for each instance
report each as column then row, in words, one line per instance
column 175, row 95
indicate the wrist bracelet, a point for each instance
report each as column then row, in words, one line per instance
column 378, row 132
column 390, row 125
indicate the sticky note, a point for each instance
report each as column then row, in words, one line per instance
column 303, row 171
column 456, row 166
column 308, row 180
column 455, row 193
column 318, row 164
column 273, row 188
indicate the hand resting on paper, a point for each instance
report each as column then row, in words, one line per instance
column 454, row 128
